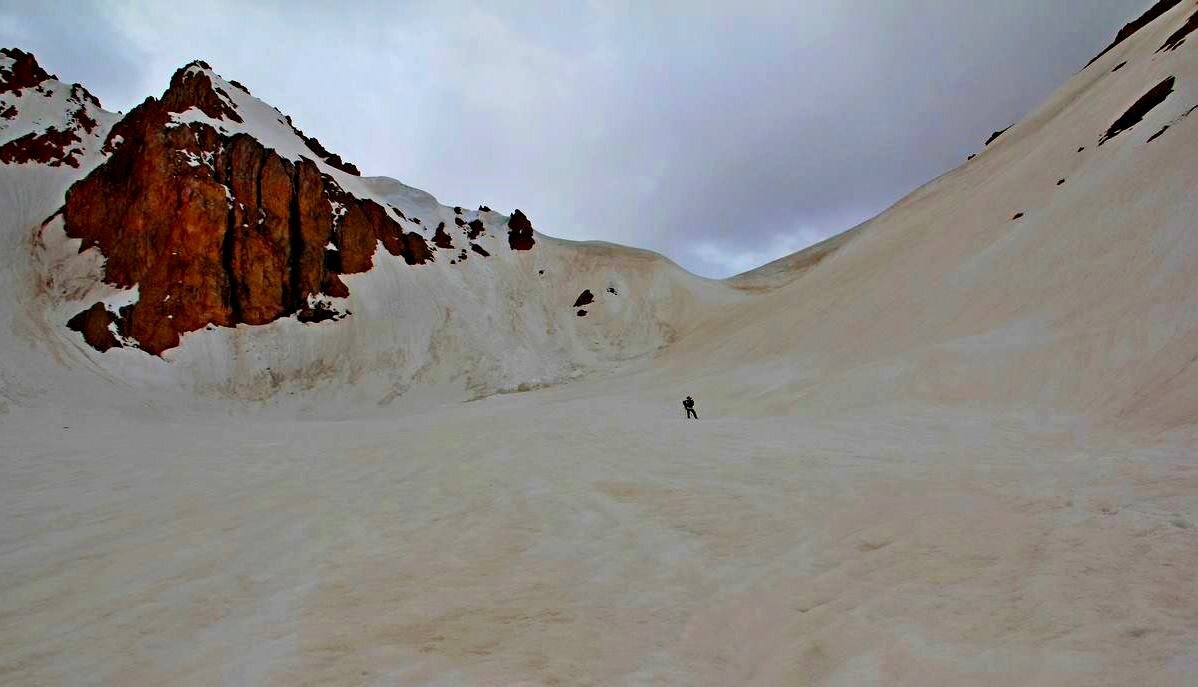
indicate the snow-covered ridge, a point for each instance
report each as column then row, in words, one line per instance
column 449, row 298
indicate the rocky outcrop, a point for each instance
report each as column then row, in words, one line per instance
column 584, row 298
column 216, row 229
column 1178, row 37
column 23, row 73
column 519, row 232
column 476, row 229
column 53, row 144
column 1131, row 27
column 995, row 135
column 94, row 323
column 441, row 239
column 1134, row 114
column 52, row 147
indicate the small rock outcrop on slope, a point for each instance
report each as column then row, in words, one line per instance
column 1155, row 96
column 1131, row 27
column 584, row 298
column 519, row 231
column 217, row 229
column 1178, row 37
column 94, row 323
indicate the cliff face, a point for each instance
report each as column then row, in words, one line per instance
column 206, row 209
column 218, row 229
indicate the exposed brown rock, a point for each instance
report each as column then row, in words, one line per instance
column 93, row 324
column 1178, row 37
column 314, row 145
column 1131, row 27
column 584, row 298
column 457, row 210
column 24, row 73
column 519, row 232
column 581, row 313
column 1155, row 96
column 416, row 250
column 459, row 221
column 441, row 239
column 1017, row 216
column 9, row 112
column 479, row 249
column 218, row 230
column 321, row 311
column 476, row 229
column 483, row 208
column 1119, row 66
column 192, row 88
column 51, row 147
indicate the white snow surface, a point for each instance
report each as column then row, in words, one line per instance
column 948, row 448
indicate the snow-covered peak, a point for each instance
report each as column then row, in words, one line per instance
column 45, row 121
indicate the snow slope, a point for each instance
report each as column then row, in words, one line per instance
column 949, row 448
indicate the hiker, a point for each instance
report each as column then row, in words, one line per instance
column 689, row 404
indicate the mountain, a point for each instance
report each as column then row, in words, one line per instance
column 953, row 445
column 205, row 230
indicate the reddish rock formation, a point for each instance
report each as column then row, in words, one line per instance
column 584, row 298
column 457, row 210
column 479, row 249
column 332, row 159
column 476, row 229
column 459, row 221
column 50, row 147
column 25, row 72
column 581, row 313
column 441, row 239
column 93, row 324
column 217, row 230
column 519, row 232
column 9, row 112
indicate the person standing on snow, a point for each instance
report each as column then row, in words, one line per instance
column 689, row 404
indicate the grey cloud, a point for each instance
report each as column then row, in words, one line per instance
column 718, row 134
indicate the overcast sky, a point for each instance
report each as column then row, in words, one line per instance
column 723, row 135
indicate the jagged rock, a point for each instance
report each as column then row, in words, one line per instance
column 441, row 239
column 519, row 232
column 459, row 221
column 476, row 229
column 1178, row 37
column 584, row 298
column 1140, row 22
column 217, row 229
column 52, row 147
column 24, row 73
column 94, row 323
column 1134, row 114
